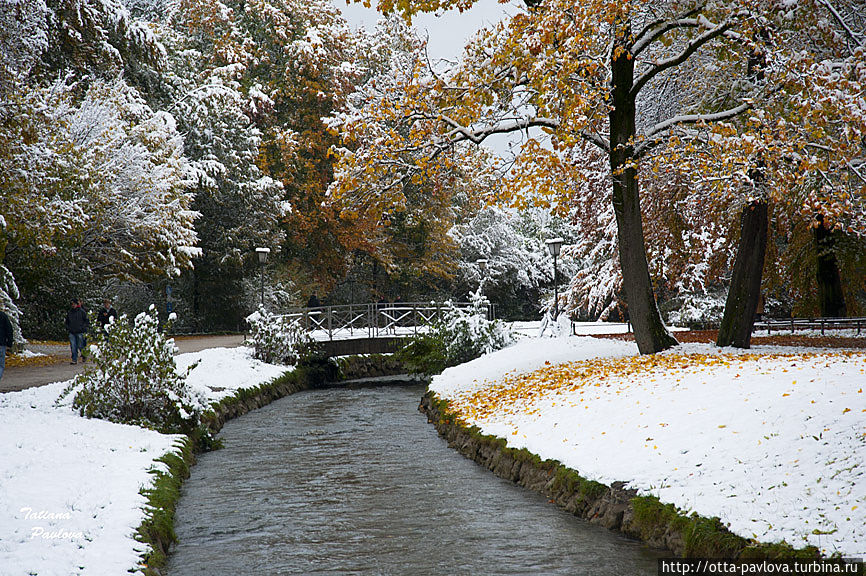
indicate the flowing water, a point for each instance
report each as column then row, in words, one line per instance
column 355, row 481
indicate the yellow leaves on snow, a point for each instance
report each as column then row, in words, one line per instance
column 587, row 380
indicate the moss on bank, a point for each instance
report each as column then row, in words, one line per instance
column 157, row 530
column 615, row 507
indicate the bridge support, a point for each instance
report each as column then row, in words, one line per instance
column 353, row 346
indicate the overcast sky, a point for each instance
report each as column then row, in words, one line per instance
column 448, row 33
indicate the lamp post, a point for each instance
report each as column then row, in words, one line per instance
column 554, row 245
column 482, row 266
column 263, row 259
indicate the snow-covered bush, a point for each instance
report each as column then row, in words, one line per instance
column 519, row 267
column 695, row 310
column 551, row 328
column 133, row 379
column 9, row 292
column 458, row 336
column 275, row 339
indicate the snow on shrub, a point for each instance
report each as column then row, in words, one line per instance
column 551, row 328
column 275, row 339
column 458, row 336
column 133, row 379
column 694, row 310
column 8, row 293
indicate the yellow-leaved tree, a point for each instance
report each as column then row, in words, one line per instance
column 656, row 86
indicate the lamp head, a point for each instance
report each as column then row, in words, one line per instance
column 554, row 245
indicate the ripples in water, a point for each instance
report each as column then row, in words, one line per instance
column 356, row 481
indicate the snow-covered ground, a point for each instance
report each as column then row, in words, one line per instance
column 29, row 354
column 69, row 486
column 533, row 328
column 223, row 371
column 771, row 440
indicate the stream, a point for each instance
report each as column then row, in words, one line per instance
column 355, row 481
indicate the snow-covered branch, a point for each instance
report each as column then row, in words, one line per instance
column 666, row 125
column 460, row 133
column 597, row 140
column 838, row 17
column 658, row 28
column 714, row 31
column 853, row 166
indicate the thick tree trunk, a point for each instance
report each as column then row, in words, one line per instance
column 649, row 330
column 830, row 296
column 745, row 291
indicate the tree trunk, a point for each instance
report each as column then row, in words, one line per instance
column 196, row 299
column 745, row 291
column 831, row 298
column 649, row 330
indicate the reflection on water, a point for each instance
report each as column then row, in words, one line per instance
column 356, row 481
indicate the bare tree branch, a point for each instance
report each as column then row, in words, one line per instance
column 460, row 133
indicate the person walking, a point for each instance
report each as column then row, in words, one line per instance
column 77, row 324
column 106, row 315
column 5, row 339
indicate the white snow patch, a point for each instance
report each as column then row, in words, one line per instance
column 29, row 354
column 85, row 475
column 70, row 486
column 223, row 371
column 775, row 447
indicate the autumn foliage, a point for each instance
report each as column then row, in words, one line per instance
column 695, row 110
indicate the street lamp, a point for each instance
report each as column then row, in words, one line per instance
column 482, row 266
column 263, row 259
column 554, row 245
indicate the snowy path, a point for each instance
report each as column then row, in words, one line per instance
column 17, row 378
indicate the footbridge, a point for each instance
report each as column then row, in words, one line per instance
column 375, row 328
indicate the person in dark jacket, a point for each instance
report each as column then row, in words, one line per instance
column 313, row 302
column 5, row 339
column 77, row 324
column 106, row 315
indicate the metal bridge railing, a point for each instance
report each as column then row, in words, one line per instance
column 822, row 324
column 373, row 320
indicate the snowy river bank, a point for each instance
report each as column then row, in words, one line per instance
column 771, row 442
